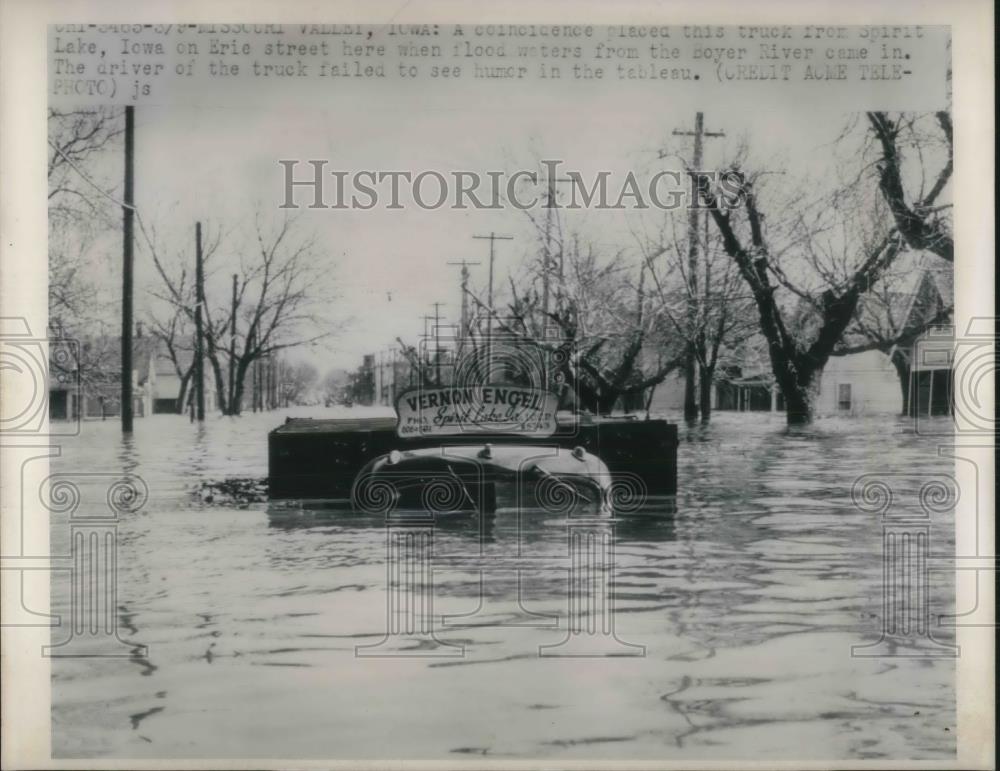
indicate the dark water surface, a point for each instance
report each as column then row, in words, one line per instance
column 747, row 593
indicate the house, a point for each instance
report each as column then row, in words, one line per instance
column 166, row 386
column 903, row 377
column 859, row 384
column 931, row 382
column 742, row 383
column 917, row 373
column 89, row 386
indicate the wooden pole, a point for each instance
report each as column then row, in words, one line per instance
column 464, row 331
column 699, row 133
column 127, row 259
column 492, row 237
column 690, row 406
column 437, row 344
column 233, row 407
column 550, row 197
column 199, row 352
column 254, row 369
column 273, row 365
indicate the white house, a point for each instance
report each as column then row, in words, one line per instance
column 861, row 383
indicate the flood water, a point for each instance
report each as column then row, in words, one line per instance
column 747, row 593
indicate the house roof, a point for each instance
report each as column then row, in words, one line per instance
column 916, row 289
column 165, row 366
column 104, row 351
column 143, row 351
column 930, row 287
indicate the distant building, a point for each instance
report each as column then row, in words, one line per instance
column 917, row 373
column 166, row 384
column 731, row 391
column 883, row 381
column 90, row 387
column 931, row 380
column 860, row 384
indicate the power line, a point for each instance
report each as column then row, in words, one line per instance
column 126, row 205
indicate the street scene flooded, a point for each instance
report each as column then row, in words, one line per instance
column 498, row 393
column 747, row 594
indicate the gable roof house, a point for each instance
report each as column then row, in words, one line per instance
column 886, row 372
column 900, row 353
column 87, row 384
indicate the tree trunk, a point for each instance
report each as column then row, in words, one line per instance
column 801, row 394
column 242, row 366
column 236, row 405
column 182, row 395
column 220, row 388
column 903, row 371
column 705, row 377
column 690, row 404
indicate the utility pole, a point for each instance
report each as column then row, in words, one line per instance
column 128, row 211
column 393, row 388
column 437, row 343
column 699, row 134
column 199, row 349
column 277, row 382
column 268, row 383
column 383, row 387
column 254, row 369
column 232, row 352
column 426, row 359
column 493, row 238
column 261, row 382
column 464, row 329
column 550, row 197
column 272, row 382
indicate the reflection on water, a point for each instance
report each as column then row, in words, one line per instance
column 746, row 592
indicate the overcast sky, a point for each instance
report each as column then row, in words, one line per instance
column 218, row 163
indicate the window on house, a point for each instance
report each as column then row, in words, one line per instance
column 844, row 396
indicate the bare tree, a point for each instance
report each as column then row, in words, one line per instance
column 77, row 194
column 332, row 386
column 923, row 223
column 80, row 215
column 808, row 267
column 175, row 335
column 174, row 326
column 282, row 301
column 892, row 316
column 711, row 312
column 602, row 328
column 421, row 366
column 297, row 379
